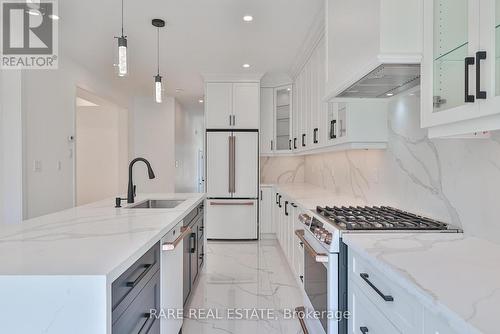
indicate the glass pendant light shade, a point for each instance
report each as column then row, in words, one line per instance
column 158, row 89
column 122, row 56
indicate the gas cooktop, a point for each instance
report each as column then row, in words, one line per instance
column 381, row 218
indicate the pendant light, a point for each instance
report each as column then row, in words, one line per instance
column 122, row 53
column 158, row 23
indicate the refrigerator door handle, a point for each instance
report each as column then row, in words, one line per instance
column 233, row 172
column 230, row 141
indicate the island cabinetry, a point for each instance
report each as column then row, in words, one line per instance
column 135, row 293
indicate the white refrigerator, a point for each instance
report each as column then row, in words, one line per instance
column 232, row 184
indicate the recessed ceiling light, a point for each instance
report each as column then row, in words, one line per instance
column 389, row 94
column 248, row 18
column 54, row 17
column 288, row 89
column 246, row 65
column 200, row 101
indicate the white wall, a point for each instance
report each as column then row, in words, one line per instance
column 49, row 110
column 11, row 144
column 154, row 139
column 189, row 126
column 101, row 152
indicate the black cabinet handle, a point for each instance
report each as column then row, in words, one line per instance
column 294, row 143
column 303, row 140
column 468, row 62
column 365, row 278
column 289, row 144
column 480, row 94
column 279, row 201
column 261, row 196
column 286, row 208
column 294, row 205
column 271, row 145
column 277, row 194
column 333, row 129
column 140, row 277
column 364, row 330
column 315, row 135
column 301, row 278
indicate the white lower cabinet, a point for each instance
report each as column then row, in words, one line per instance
column 380, row 305
column 266, row 207
column 365, row 317
column 231, row 218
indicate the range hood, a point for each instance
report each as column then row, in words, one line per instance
column 384, row 81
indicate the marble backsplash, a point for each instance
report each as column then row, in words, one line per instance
column 274, row 170
column 455, row 180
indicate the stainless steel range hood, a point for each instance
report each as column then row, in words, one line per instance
column 384, row 81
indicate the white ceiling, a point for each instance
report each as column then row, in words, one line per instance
column 201, row 36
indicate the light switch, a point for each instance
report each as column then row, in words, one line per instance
column 37, row 165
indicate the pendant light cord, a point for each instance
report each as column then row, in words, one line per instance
column 122, row 18
column 158, row 50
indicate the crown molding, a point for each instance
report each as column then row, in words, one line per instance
column 314, row 36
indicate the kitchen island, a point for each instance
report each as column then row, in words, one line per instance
column 57, row 270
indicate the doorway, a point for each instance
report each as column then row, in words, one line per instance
column 101, row 148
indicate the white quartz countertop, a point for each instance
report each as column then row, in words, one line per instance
column 94, row 239
column 455, row 274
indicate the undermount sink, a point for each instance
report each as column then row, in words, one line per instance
column 157, row 204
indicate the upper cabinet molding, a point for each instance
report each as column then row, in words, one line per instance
column 314, row 36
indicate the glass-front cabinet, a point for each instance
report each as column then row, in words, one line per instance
column 283, row 118
column 461, row 67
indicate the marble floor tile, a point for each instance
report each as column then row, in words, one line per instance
column 252, row 278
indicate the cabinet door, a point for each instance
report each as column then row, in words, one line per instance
column 218, row 164
column 266, row 120
column 365, row 317
column 283, row 121
column 246, row 164
column 231, row 219
column 451, row 40
column 218, row 105
column 246, row 105
column 266, row 211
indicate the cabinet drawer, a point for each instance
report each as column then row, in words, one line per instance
column 365, row 316
column 136, row 318
column 402, row 308
column 126, row 287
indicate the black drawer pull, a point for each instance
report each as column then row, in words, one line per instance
column 294, row 143
column 365, row 278
column 277, row 194
column 279, row 201
column 480, row 94
column 140, row 277
column 468, row 61
column 286, row 208
column 303, row 140
column 145, row 328
column 289, row 144
column 315, row 135
column 364, row 330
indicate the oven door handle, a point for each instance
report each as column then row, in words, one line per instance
column 300, row 313
column 319, row 257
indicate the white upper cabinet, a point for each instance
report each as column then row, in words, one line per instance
column 266, row 121
column 232, row 105
column 218, row 105
column 364, row 34
column 246, row 105
column 283, row 119
column 460, row 68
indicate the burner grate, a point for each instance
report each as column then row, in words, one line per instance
column 378, row 218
